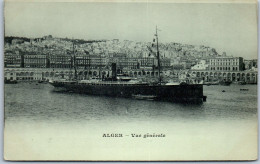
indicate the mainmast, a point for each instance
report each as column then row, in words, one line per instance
column 74, row 61
column 100, row 65
column 158, row 56
column 88, row 65
column 88, row 62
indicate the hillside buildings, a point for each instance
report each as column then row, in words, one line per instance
column 200, row 66
column 133, row 57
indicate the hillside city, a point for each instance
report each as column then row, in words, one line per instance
column 52, row 52
column 179, row 55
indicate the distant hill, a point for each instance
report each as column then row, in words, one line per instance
column 55, row 46
column 9, row 39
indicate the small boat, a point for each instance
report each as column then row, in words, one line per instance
column 211, row 83
column 225, row 82
column 215, row 83
column 144, row 97
column 242, row 83
column 40, row 81
column 10, row 82
column 223, row 91
column 244, row 89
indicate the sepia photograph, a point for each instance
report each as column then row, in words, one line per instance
column 149, row 80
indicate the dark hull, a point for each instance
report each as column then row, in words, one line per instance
column 177, row 93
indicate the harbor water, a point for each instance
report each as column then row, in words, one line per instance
column 46, row 125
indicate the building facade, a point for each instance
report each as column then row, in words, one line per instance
column 92, row 61
column 226, row 64
column 35, row 61
column 250, row 64
column 82, row 62
column 12, row 60
column 61, row 61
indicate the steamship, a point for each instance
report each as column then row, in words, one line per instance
column 123, row 86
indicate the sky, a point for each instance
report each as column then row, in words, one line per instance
column 227, row 27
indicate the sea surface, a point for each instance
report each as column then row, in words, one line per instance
column 41, row 124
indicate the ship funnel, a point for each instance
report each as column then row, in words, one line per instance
column 114, row 71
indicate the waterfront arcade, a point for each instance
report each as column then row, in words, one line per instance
column 40, row 67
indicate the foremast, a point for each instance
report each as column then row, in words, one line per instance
column 158, row 56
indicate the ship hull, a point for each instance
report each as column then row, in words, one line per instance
column 175, row 93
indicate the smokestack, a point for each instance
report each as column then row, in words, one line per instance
column 114, row 71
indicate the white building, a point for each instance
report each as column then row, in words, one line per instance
column 200, row 66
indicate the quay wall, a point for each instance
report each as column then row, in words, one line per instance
column 31, row 74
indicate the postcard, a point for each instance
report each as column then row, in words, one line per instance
column 130, row 80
